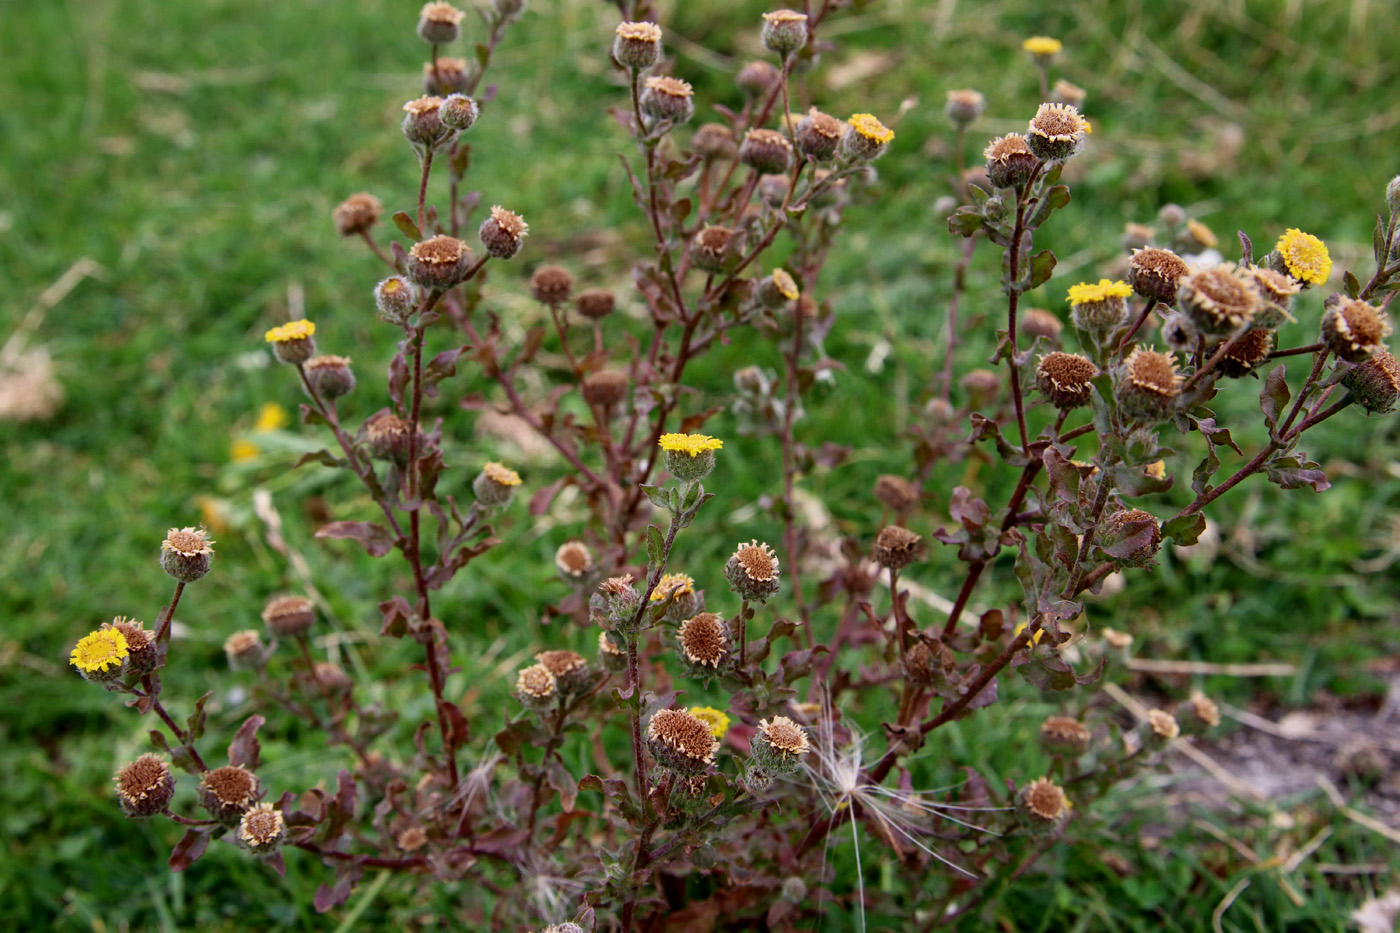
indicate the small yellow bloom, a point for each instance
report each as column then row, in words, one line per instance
column 296, row 330
column 214, row 512
column 1085, row 293
column 1157, row 469
column 693, row 444
column 502, row 474
column 1042, row 46
column 785, row 284
column 1035, row 639
column 716, row 720
column 243, row 449
column 99, row 650
column 1305, row 256
column 271, row 417
column 677, row 584
column 871, row 128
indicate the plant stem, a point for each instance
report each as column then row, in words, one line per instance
column 1137, row 325
column 423, row 190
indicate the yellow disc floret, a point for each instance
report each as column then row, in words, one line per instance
column 502, row 474
column 296, row 330
column 867, row 125
column 1305, row 256
column 1086, row 293
column 692, row 444
column 99, row 650
column 1042, row 46
column 716, row 720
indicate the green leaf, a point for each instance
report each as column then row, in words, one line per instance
column 965, row 221
column 1274, row 395
column 1352, row 286
column 1185, row 529
column 656, row 543
column 406, row 224
column 1042, row 267
column 656, row 495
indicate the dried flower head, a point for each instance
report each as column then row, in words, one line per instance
column 439, row 263
column 1010, row 162
column 1147, row 384
column 262, row 829
column 594, row 304
column 713, row 248
column 896, row 547
column 574, row 561
column 610, row 656
column 357, row 214
column 551, row 285
column 679, row 588
column 1099, row 307
column 1134, row 535
column 681, row 742
column 495, row 484
column 1353, row 329
column 1156, row 274
column 440, row 23
column 1037, row 322
column 964, row 106
column 768, row 151
column 330, row 376
column 1247, row 353
column 332, row 678
column 1219, row 300
column 1277, row 293
column 144, row 787
column 714, row 141
column 1062, row 735
column 1042, row 48
column 1162, row 727
column 605, row 388
column 666, row 98
column 866, row 138
column 1375, row 383
column 784, row 31
column 1068, row 93
column 459, row 112
column 1056, row 131
column 569, row 668
column 446, row 76
column 422, row 123
column 185, row 553
column 503, row 233
column 755, row 78
column 1042, row 804
column 289, row 616
column 1304, row 256
column 753, row 571
column 1065, row 379
column 637, row 45
column 780, row 745
column 1179, row 333
column 703, row 642
column 293, row 343
column 818, row 134
column 244, row 650
column 1198, row 715
column 536, row 687
column 388, row 436
column 896, row 492
column 228, row 792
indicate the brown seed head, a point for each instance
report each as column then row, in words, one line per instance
column 1219, row 300
column 1043, row 803
column 1156, row 274
column 186, row 553
column 1135, row 523
column 357, row 213
column 896, row 547
column 438, row 262
column 1010, row 161
column 667, row 98
column 1147, row 384
column 536, row 682
column 289, row 616
column 244, row 650
column 574, row 561
column 140, row 644
column 896, row 492
column 562, row 663
column 1065, row 379
column 1063, row 735
column 387, row 435
column 422, row 123
column 595, row 303
column 637, row 45
column 1375, row 383
column 331, row 376
column 1056, row 131
column 228, row 792
column 785, row 735
column 262, row 829
column 1163, row 726
column 551, row 285
column 755, row 78
column 681, row 742
column 412, row 839
column 753, row 571
column 144, row 786
column 332, row 678
column 766, row 150
column 1248, row 351
column 1353, row 329
column 714, row 141
column 451, row 76
column 818, row 133
column 605, row 388
column 1037, row 322
column 503, row 233
column 704, row 640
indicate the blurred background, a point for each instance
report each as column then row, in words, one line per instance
column 167, row 174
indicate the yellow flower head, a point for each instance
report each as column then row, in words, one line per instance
column 785, row 284
column 271, row 417
column 871, row 128
column 677, row 584
column 717, row 721
column 1085, row 293
column 1042, row 46
column 99, row 650
column 1305, row 256
column 243, row 449
column 1035, row 639
column 297, row 330
column 692, row 444
column 502, row 474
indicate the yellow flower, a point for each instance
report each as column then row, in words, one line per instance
column 693, row 444
column 243, row 449
column 99, row 650
column 214, row 512
column 1157, row 469
column 296, row 330
column 1035, row 639
column 785, row 284
column 871, row 128
column 271, row 417
column 1085, row 293
column 1042, row 46
column 717, row 721
column 678, row 584
column 1305, row 256
column 501, row 474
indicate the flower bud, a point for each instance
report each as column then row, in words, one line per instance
column 1010, row 162
column 767, row 151
column 667, row 99
column 330, row 376
column 818, row 135
column 1156, row 274
column 262, row 829
column 422, row 123
column 1146, row 385
column 964, row 106
column 495, row 484
column 784, row 31
column 293, row 343
column 245, row 651
column 185, row 554
column 503, row 233
column 865, row 138
column 144, row 787
column 551, row 285
column 458, row 112
column 896, row 547
column 1133, row 525
column 1056, row 132
column 357, row 213
column 755, row 78
column 1375, row 383
column 681, row 742
column 395, row 297
column 1065, row 379
column 779, row 745
column 439, row 263
column 229, row 792
column 289, row 616
column 440, row 23
column 1353, row 329
column 1392, row 195
column 605, row 388
column 637, row 45
column 753, row 571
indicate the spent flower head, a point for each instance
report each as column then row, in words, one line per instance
column 1010, row 162
column 357, row 214
column 1354, row 329
column 637, row 45
column 503, row 233
column 262, row 829
column 681, row 742
column 144, row 786
column 186, row 553
column 1056, row 132
column 703, row 641
column 784, row 31
column 753, row 571
column 289, row 616
column 439, row 23
column 229, row 792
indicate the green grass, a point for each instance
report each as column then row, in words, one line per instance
column 194, row 152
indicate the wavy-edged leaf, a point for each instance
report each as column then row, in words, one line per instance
column 376, row 539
